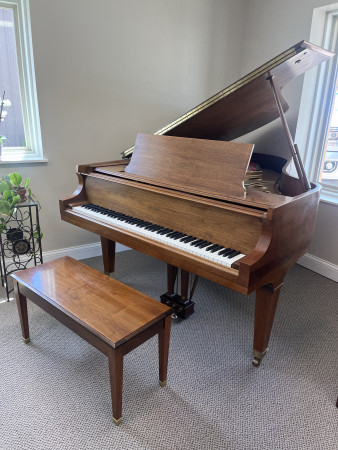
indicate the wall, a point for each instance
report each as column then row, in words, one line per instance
column 271, row 27
column 109, row 69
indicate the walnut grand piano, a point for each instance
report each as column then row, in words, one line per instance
column 186, row 196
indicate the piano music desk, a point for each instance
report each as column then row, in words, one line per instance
column 112, row 317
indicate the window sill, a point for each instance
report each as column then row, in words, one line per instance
column 11, row 161
column 329, row 197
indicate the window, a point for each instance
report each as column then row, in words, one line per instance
column 20, row 122
column 329, row 172
column 317, row 129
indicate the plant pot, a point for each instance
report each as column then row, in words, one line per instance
column 22, row 192
column 13, row 234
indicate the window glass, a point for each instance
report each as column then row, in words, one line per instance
column 11, row 125
column 329, row 173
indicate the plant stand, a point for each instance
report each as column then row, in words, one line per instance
column 20, row 243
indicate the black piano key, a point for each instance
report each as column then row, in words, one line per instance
column 165, row 230
column 196, row 243
column 134, row 221
column 143, row 224
column 189, row 239
column 172, row 234
column 226, row 252
column 185, row 238
column 211, row 247
column 151, row 227
column 205, row 244
column 178, row 236
column 232, row 255
column 162, row 230
column 216, row 249
column 156, row 228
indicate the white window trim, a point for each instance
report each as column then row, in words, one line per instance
column 317, row 98
column 33, row 152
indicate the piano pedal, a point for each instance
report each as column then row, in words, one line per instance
column 182, row 308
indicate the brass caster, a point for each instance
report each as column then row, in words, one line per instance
column 26, row 341
column 117, row 421
column 174, row 316
column 162, row 383
column 256, row 362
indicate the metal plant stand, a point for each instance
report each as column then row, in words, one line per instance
column 20, row 243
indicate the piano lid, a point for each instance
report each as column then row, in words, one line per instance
column 247, row 104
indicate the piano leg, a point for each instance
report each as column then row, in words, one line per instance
column 108, row 253
column 265, row 308
column 182, row 306
column 171, row 278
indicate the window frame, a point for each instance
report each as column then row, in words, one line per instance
column 317, row 99
column 33, row 152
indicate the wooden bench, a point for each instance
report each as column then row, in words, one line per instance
column 112, row 317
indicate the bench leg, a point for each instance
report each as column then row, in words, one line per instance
column 21, row 302
column 163, row 350
column 115, row 359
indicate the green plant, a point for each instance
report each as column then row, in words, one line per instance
column 17, row 182
column 10, row 187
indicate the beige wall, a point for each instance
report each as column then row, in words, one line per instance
column 109, row 69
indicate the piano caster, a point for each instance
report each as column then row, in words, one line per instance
column 182, row 309
column 174, row 316
column 258, row 356
column 256, row 362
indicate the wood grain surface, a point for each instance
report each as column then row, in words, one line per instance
column 112, row 309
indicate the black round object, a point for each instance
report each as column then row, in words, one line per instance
column 21, row 247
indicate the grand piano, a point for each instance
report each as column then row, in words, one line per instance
column 207, row 205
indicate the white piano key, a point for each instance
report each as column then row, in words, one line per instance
column 163, row 239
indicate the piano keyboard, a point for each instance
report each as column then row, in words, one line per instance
column 190, row 244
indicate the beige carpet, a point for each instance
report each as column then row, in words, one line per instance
column 54, row 392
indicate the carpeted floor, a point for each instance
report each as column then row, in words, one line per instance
column 54, row 392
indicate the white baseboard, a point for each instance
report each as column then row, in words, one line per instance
column 78, row 252
column 318, row 265
column 311, row 262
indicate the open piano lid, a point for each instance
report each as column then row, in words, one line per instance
column 247, row 104
column 212, row 168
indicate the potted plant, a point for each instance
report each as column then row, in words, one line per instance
column 8, row 201
column 19, row 185
column 13, row 190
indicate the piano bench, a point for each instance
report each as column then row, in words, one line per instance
column 112, row 317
